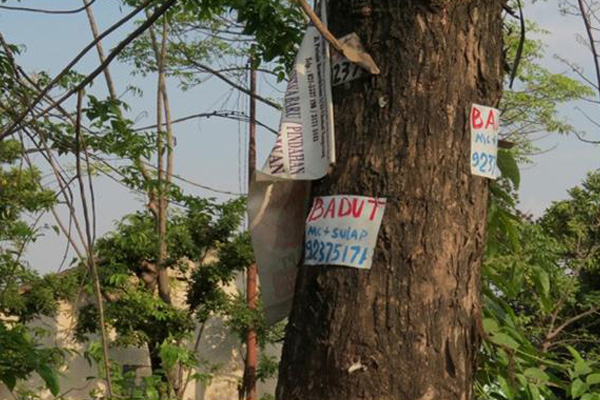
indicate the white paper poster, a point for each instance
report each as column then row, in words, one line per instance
column 342, row 230
column 485, row 126
column 277, row 211
column 305, row 146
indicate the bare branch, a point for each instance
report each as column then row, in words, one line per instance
column 592, row 43
column 513, row 73
column 163, row 277
column 94, row 27
column 113, row 95
column 232, row 83
column 141, row 29
column 551, row 335
column 91, row 259
column 41, row 11
column 234, row 115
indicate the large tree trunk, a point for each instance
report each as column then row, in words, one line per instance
column 409, row 326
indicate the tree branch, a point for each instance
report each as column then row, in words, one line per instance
column 232, row 83
column 91, row 260
column 551, row 335
column 588, row 29
column 41, row 11
column 137, row 32
column 235, row 115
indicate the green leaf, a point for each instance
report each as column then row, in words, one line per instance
column 536, row 373
column 517, row 278
column 534, row 391
column 505, row 386
column 575, row 354
column 490, row 325
column 542, row 284
column 542, row 280
column 578, row 388
column 582, row 368
column 504, row 340
column 50, row 377
column 508, row 167
column 593, row 379
column 522, row 379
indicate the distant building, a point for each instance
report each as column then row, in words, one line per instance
column 218, row 346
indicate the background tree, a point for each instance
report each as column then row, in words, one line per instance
column 24, row 295
column 540, row 299
column 99, row 129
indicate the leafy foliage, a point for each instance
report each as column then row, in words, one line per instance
column 205, row 253
column 23, row 294
column 533, row 105
column 540, row 301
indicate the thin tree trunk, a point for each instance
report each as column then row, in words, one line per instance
column 165, row 144
column 163, row 280
column 408, row 328
column 164, row 289
column 152, row 206
column 94, row 28
column 156, row 365
column 248, row 389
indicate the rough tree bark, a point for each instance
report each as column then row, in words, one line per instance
column 409, row 326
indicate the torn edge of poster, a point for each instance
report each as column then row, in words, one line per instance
column 342, row 69
column 343, row 230
column 485, row 127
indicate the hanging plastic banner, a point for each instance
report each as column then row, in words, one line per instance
column 277, row 211
column 305, row 146
column 485, row 126
column 342, row 230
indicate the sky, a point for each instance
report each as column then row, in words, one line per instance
column 211, row 152
column 568, row 160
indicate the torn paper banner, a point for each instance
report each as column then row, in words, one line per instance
column 485, row 126
column 277, row 211
column 305, row 146
column 342, row 69
column 342, row 230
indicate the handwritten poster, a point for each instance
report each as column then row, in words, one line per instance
column 277, row 211
column 342, row 230
column 485, row 125
column 305, row 146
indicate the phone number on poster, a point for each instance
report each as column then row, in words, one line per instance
column 484, row 162
column 318, row 251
